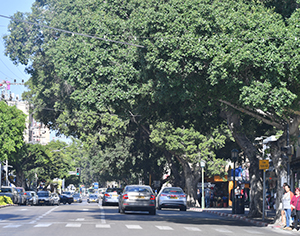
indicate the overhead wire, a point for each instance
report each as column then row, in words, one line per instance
column 73, row 33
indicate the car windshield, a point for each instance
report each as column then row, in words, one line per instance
column 6, row 190
column 68, row 193
column 138, row 189
column 172, row 190
column 76, row 195
column 19, row 190
column 43, row 194
column 111, row 190
column 93, row 196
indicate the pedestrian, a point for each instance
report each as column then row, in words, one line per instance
column 207, row 197
column 199, row 196
column 295, row 203
column 286, row 205
column 283, row 221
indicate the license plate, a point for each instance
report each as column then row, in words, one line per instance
column 41, row 201
column 174, row 197
column 140, row 197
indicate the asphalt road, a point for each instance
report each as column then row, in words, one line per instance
column 93, row 219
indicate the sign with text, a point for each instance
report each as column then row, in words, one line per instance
column 263, row 164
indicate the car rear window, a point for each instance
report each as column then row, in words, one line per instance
column 111, row 190
column 172, row 190
column 6, row 190
column 43, row 194
column 138, row 189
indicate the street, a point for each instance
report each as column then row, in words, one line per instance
column 93, row 219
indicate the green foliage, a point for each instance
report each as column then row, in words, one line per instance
column 4, row 200
column 12, row 125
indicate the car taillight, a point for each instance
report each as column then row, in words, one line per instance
column 182, row 196
column 152, row 197
column 164, row 195
column 106, row 195
column 125, row 196
column 25, row 193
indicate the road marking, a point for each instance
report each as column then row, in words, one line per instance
column 23, row 209
column 73, row 225
column 42, row 225
column 85, row 209
column 133, row 227
column 192, row 228
column 11, row 226
column 102, row 214
column 102, row 226
column 80, row 219
column 223, row 230
column 164, row 227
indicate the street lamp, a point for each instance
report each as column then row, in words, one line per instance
column 234, row 157
column 202, row 164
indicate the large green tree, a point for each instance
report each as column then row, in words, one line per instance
column 203, row 63
column 12, row 126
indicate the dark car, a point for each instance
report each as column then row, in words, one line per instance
column 31, row 198
column 66, row 197
column 22, row 197
column 45, row 198
column 137, row 198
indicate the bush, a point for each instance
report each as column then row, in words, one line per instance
column 4, row 200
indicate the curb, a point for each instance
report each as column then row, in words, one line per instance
column 2, row 206
column 234, row 216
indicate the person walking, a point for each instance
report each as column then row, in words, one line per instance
column 295, row 204
column 287, row 206
column 283, row 221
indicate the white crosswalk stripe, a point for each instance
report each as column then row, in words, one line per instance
column 164, row 227
column 223, row 230
column 42, row 225
column 11, row 226
column 73, row 225
column 104, row 226
column 133, row 227
column 192, row 228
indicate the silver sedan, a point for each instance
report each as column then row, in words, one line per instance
column 171, row 197
column 137, row 198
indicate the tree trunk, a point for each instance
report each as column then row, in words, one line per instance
column 250, row 151
column 192, row 177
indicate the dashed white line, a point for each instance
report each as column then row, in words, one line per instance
column 80, row 219
column 11, row 226
column 223, row 230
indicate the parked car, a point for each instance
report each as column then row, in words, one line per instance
column 111, row 196
column 22, row 197
column 45, row 198
column 77, row 197
column 66, row 197
column 10, row 192
column 56, row 199
column 93, row 198
column 171, row 197
column 31, row 198
column 137, row 198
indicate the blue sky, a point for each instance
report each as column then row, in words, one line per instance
column 9, row 71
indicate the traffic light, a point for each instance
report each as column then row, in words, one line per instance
column 78, row 171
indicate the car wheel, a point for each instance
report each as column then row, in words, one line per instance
column 152, row 212
column 69, row 203
column 64, row 202
column 183, row 208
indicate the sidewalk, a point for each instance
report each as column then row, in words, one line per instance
column 227, row 212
